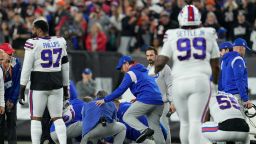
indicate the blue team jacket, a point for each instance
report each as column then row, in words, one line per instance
column 142, row 86
column 72, row 90
column 12, row 81
column 220, row 87
column 77, row 105
column 92, row 113
column 234, row 75
column 131, row 133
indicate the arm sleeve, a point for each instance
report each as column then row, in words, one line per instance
column 65, row 67
column 16, row 83
column 168, row 82
column 27, row 66
column 127, row 81
column 2, row 103
column 239, row 69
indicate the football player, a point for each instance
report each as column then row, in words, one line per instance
column 195, row 55
column 228, row 123
column 46, row 66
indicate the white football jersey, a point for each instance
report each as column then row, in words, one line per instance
column 43, row 55
column 224, row 106
column 191, row 51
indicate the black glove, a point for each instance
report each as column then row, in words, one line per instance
column 22, row 94
column 65, row 93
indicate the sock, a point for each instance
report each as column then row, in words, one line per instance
column 60, row 129
column 36, row 131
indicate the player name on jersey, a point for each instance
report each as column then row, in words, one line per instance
column 190, row 33
column 51, row 44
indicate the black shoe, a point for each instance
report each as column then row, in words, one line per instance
column 144, row 135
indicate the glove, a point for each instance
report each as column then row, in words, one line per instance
column 22, row 94
column 65, row 93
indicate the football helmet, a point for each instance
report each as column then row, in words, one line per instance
column 189, row 16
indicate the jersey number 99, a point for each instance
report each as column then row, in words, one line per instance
column 47, row 57
column 198, row 43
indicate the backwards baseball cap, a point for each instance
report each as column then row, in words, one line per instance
column 226, row 45
column 7, row 48
column 241, row 42
column 87, row 71
column 122, row 61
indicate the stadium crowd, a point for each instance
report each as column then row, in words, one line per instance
column 122, row 25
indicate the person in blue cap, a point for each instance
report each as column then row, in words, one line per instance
column 224, row 47
column 148, row 99
column 87, row 86
column 234, row 74
column 101, row 122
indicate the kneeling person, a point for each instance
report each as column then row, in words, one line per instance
column 73, row 120
column 228, row 123
column 100, row 122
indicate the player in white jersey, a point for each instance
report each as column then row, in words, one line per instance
column 164, row 82
column 194, row 51
column 46, row 66
column 228, row 123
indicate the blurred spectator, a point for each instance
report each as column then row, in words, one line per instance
column 19, row 32
column 176, row 7
column 99, row 16
column 230, row 14
column 128, row 31
column 253, row 37
column 222, row 35
column 211, row 21
column 96, row 40
column 249, row 9
column 241, row 28
column 61, row 15
column 66, row 25
column 4, row 32
column 165, row 23
column 3, row 13
column 87, row 86
column 210, row 6
column 115, row 27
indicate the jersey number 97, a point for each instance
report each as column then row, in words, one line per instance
column 48, row 55
column 186, row 45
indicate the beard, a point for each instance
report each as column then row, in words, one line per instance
column 151, row 62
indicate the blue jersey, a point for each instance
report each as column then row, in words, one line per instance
column 234, row 75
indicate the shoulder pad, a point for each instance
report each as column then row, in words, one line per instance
column 168, row 34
